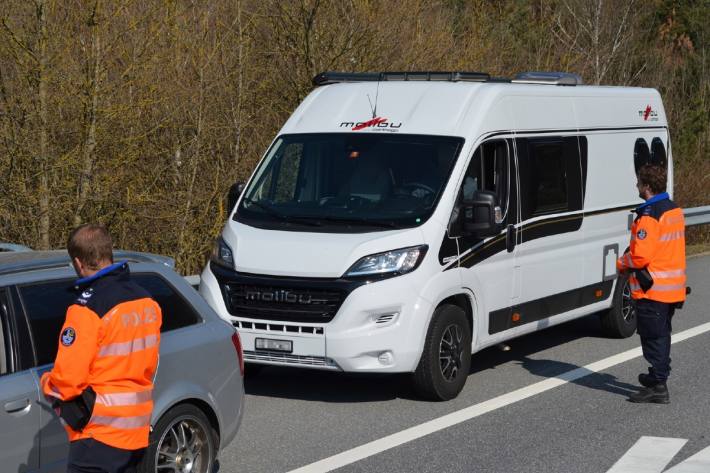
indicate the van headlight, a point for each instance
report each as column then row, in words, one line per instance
column 222, row 254
column 389, row 263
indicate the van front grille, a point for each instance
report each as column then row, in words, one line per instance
column 282, row 303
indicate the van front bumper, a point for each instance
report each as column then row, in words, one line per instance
column 378, row 327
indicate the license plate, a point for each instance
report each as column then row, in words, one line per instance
column 269, row 344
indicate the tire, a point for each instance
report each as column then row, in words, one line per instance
column 165, row 450
column 441, row 378
column 620, row 320
column 252, row 370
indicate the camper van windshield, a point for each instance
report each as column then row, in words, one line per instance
column 346, row 182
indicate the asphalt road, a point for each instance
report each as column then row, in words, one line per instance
column 294, row 418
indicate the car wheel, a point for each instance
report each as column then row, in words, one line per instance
column 446, row 359
column 252, row 370
column 183, row 441
column 620, row 320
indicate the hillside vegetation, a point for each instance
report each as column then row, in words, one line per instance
column 141, row 114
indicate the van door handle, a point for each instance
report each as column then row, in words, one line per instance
column 18, row 405
column 510, row 236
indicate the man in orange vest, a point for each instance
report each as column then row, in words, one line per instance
column 656, row 266
column 102, row 380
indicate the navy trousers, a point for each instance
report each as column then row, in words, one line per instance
column 92, row 456
column 654, row 328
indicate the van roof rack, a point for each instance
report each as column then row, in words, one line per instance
column 325, row 78
column 551, row 78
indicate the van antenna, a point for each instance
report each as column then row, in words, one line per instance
column 377, row 94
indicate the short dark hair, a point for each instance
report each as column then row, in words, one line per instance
column 654, row 177
column 91, row 244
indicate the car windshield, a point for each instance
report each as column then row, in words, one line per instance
column 344, row 182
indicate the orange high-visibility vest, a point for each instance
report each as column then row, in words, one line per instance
column 109, row 341
column 657, row 244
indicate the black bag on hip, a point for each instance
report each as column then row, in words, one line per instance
column 77, row 412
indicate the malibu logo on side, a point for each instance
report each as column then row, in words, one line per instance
column 649, row 114
column 378, row 123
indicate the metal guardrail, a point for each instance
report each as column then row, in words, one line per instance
column 697, row 216
column 693, row 216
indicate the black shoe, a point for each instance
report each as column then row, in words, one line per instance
column 657, row 394
column 647, row 381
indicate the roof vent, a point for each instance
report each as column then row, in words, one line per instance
column 551, row 78
column 325, row 78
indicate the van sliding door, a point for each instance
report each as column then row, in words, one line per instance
column 552, row 174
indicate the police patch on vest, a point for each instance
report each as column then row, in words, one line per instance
column 641, row 234
column 68, row 336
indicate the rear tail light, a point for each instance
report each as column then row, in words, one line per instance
column 240, row 354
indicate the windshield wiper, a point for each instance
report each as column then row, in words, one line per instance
column 275, row 213
column 360, row 221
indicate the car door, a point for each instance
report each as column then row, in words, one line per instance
column 19, row 396
column 45, row 305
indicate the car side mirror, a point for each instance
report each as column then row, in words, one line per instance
column 482, row 215
column 235, row 191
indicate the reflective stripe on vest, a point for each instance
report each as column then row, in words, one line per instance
column 677, row 235
column 668, row 274
column 628, row 261
column 667, row 287
column 124, row 399
column 126, row 348
column 122, row 422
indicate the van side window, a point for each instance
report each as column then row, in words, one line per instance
column 46, row 306
column 177, row 312
column 4, row 333
column 658, row 153
column 489, row 171
column 552, row 174
column 642, row 155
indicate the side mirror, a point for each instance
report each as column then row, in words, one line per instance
column 233, row 195
column 482, row 215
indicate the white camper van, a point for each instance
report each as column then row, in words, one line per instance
column 401, row 221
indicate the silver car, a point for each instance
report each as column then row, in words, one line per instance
column 199, row 390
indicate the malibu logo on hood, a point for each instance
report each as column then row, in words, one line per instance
column 377, row 124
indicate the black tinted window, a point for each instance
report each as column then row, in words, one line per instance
column 658, row 153
column 177, row 312
column 552, row 174
column 488, row 171
column 548, row 177
column 4, row 331
column 642, row 155
column 46, row 305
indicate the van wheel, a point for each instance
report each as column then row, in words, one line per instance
column 183, row 440
column 620, row 320
column 446, row 359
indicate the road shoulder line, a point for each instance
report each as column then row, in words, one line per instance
column 413, row 433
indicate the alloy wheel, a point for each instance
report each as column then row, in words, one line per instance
column 184, row 447
column 450, row 350
column 627, row 307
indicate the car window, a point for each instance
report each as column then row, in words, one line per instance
column 46, row 307
column 177, row 312
column 4, row 331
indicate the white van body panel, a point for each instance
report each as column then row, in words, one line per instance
column 611, row 119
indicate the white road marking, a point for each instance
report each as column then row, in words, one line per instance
column 698, row 463
column 413, row 433
column 652, row 454
column 648, row 455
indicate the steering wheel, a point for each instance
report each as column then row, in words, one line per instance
column 418, row 189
